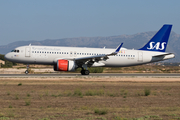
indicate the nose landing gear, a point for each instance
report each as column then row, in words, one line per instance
column 27, row 71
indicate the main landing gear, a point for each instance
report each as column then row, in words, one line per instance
column 84, row 70
column 27, row 71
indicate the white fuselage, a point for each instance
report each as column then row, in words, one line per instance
column 50, row 54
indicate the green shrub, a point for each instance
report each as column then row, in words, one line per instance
column 92, row 69
column 89, row 93
column 78, row 92
column 28, row 102
column 47, row 93
column 96, row 70
column 67, row 93
column 102, row 111
column 53, row 95
column 28, row 95
column 147, row 91
column 94, row 92
column 8, row 93
column 19, row 84
column 10, row 106
column 16, row 96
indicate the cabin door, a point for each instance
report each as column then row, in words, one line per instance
column 140, row 57
column 27, row 53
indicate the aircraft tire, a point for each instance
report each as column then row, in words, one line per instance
column 84, row 72
column 26, row 72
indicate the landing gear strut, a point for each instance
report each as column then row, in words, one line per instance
column 27, row 71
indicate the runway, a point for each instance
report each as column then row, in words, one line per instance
column 93, row 75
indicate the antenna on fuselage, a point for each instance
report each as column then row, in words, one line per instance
column 30, row 44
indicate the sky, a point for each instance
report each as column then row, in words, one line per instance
column 23, row 20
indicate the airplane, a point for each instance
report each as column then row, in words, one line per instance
column 71, row 58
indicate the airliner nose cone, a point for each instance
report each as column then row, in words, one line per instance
column 7, row 56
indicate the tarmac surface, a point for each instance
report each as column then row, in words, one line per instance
column 93, row 74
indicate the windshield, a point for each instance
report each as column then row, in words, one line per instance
column 15, row 51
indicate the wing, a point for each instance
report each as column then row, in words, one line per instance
column 91, row 59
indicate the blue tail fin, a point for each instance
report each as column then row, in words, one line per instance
column 159, row 40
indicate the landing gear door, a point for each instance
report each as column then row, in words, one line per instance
column 140, row 56
column 27, row 53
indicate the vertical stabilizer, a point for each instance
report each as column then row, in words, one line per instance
column 159, row 40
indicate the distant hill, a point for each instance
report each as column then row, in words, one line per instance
column 135, row 41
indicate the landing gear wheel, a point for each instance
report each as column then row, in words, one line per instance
column 26, row 72
column 84, row 72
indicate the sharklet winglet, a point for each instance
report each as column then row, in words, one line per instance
column 118, row 48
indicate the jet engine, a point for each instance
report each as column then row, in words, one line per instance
column 64, row 65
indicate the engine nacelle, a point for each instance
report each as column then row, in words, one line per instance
column 64, row 65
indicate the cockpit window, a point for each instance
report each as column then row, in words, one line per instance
column 15, row 51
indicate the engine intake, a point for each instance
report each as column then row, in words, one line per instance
column 64, row 65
